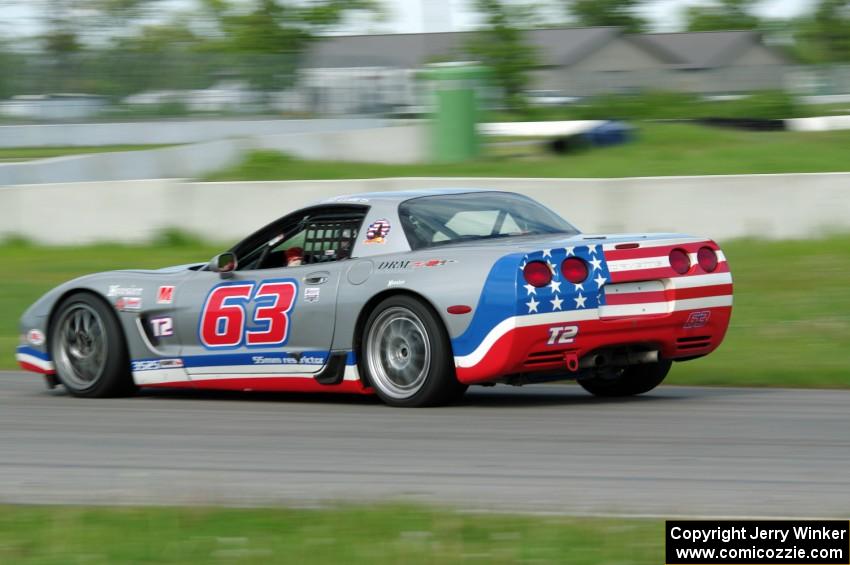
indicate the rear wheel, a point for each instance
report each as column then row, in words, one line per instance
column 629, row 381
column 88, row 349
column 406, row 355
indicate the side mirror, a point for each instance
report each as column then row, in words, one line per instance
column 224, row 264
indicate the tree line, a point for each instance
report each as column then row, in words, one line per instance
column 117, row 47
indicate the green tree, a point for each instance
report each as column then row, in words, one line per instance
column 71, row 27
column 501, row 46
column 10, row 69
column 164, row 56
column 61, row 42
column 824, row 36
column 722, row 15
column 272, row 35
column 619, row 13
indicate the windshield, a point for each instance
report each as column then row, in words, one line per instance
column 438, row 220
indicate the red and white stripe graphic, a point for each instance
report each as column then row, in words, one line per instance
column 642, row 284
column 32, row 363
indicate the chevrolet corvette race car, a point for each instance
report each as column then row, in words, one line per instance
column 412, row 296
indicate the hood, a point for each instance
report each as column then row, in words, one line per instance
column 164, row 270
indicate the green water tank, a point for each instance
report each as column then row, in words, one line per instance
column 456, row 88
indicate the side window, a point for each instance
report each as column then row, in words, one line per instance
column 473, row 222
column 320, row 238
column 509, row 226
column 479, row 223
column 287, row 253
column 330, row 240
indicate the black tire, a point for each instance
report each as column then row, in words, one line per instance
column 398, row 335
column 91, row 362
column 636, row 379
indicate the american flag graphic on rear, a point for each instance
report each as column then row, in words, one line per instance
column 632, row 280
column 560, row 294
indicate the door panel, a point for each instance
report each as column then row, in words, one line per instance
column 263, row 322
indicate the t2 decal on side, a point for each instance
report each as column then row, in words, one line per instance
column 560, row 335
column 224, row 322
column 162, row 327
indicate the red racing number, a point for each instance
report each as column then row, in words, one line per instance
column 225, row 314
column 274, row 317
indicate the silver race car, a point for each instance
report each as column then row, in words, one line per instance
column 412, row 296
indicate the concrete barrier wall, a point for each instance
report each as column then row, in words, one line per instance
column 181, row 161
column 723, row 207
column 398, row 144
column 820, row 123
column 166, row 131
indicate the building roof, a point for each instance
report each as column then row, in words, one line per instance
column 555, row 47
column 702, row 49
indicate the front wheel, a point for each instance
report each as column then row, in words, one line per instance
column 88, row 349
column 406, row 355
column 630, row 381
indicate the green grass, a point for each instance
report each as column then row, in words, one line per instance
column 660, row 149
column 833, row 109
column 351, row 535
column 31, row 153
column 790, row 324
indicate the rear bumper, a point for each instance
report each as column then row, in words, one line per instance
column 544, row 342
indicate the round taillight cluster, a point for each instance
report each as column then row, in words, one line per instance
column 707, row 259
column 680, row 261
column 574, row 270
column 537, row 273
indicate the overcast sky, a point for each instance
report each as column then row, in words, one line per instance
column 424, row 15
column 415, row 16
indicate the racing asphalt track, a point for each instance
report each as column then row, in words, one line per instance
column 549, row 448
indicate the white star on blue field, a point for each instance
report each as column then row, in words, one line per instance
column 561, row 295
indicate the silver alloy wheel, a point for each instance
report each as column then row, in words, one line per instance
column 398, row 352
column 79, row 346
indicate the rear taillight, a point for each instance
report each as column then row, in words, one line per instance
column 537, row 273
column 707, row 259
column 680, row 261
column 574, row 270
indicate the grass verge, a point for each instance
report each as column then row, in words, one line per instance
column 659, row 150
column 790, row 324
column 369, row 534
column 31, row 153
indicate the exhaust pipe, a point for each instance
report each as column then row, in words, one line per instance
column 639, row 357
column 593, row 360
column 617, row 359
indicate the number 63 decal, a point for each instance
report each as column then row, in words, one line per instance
column 224, row 318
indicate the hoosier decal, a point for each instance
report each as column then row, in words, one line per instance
column 118, row 290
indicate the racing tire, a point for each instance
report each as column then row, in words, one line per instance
column 406, row 356
column 633, row 380
column 88, row 348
